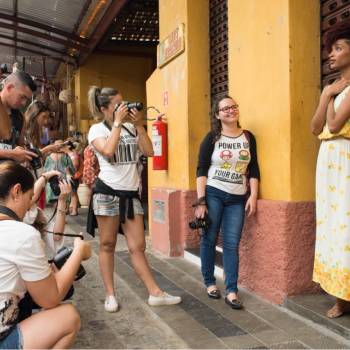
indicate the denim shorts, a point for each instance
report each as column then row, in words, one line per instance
column 107, row 205
column 14, row 340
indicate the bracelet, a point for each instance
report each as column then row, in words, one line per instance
column 199, row 201
column 118, row 125
column 63, row 211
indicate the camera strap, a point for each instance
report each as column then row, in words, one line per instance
column 65, row 234
column 7, row 211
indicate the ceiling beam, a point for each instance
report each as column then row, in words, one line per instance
column 102, row 27
column 37, row 25
column 15, row 10
column 37, row 53
column 44, row 36
column 44, row 47
column 81, row 16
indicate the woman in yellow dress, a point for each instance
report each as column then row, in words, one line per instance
column 331, row 123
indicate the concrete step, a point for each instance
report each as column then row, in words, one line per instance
column 314, row 307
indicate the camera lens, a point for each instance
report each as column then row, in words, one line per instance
column 137, row 105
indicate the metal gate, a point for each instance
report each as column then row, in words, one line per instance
column 218, row 48
column 332, row 12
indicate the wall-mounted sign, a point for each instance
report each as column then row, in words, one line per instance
column 159, row 211
column 171, row 46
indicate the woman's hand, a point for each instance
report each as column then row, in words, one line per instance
column 251, row 205
column 65, row 188
column 121, row 113
column 336, row 87
column 201, row 211
column 136, row 117
column 83, row 247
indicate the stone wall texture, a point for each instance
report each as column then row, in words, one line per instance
column 277, row 250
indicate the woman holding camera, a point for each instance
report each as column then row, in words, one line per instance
column 36, row 118
column 24, row 268
column 227, row 186
column 118, row 141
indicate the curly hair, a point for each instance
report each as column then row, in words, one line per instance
column 216, row 126
column 339, row 31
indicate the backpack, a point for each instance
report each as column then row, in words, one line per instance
column 91, row 167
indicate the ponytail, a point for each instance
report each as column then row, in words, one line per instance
column 98, row 98
column 93, row 103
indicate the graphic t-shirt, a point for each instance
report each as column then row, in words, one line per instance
column 229, row 164
column 120, row 172
column 22, row 258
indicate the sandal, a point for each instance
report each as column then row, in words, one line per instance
column 214, row 294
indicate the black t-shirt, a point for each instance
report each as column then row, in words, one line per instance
column 17, row 121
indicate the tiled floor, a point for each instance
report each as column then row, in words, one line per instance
column 198, row 322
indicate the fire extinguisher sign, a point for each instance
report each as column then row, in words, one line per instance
column 157, row 143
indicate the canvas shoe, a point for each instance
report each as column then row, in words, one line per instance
column 111, row 303
column 164, row 299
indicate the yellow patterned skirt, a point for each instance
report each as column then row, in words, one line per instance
column 332, row 251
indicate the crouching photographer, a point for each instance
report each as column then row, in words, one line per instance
column 24, row 268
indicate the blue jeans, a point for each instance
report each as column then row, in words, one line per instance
column 226, row 212
column 14, row 340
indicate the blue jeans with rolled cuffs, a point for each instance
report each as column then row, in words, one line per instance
column 226, row 212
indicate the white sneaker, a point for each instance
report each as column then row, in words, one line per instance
column 165, row 299
column 111, row 303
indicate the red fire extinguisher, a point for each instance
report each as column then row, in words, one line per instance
column 160, row 144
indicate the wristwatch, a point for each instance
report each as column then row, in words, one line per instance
column 117, row 125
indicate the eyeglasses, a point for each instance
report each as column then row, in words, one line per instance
column 228, row 108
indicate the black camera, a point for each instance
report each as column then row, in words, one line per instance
column 69, row 144
column 199, row 223
column 62, row 256
column 54, row 182
column 131, row 105
column 36, row 162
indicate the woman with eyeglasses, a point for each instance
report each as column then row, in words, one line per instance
column 227, row 187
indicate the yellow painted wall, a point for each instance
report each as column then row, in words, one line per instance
column 274, row 75
column 186, row 80
column 128, row 74
column 305, row 92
